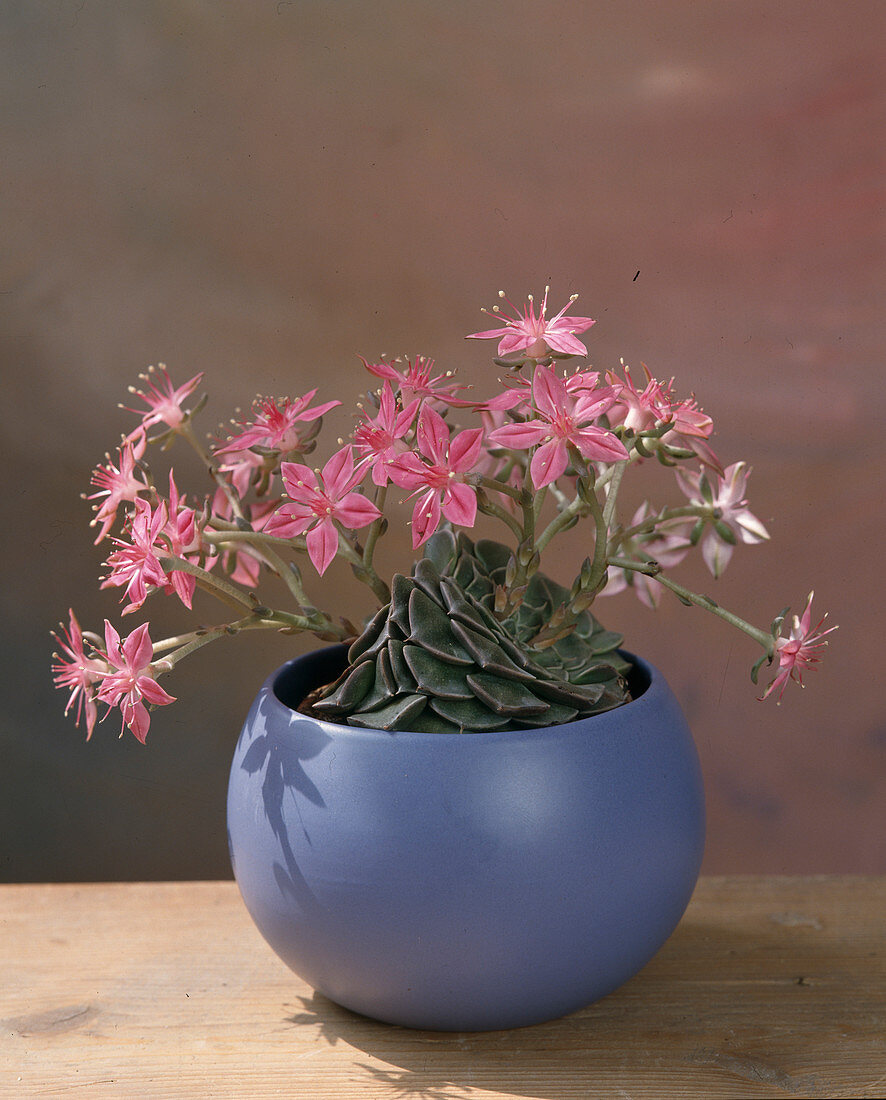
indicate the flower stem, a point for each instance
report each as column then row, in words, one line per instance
column 187, row 433
column 357, row 560
column 216, row 585
column 686, row 595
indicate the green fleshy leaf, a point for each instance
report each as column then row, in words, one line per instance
column 427, row 578
column 401, row 589
column 555, row 715
column 431, row 722
column 505, row 697
column 430, row 627
column 468, row 714
column 488, row 655
column 402, row 675
column 460, row 607
column 436, row 677
column 395, row 716
column 579, row 696
column 440, row 549
column 351, row 687
column 370, row 633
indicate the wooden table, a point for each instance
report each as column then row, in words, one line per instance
column 769, row 987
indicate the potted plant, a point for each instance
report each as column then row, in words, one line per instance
column 474, row 810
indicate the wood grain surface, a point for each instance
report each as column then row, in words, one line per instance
column 769, row 987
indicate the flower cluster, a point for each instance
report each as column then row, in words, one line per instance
column 549, row 449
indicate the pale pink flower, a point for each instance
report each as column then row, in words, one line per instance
column 564, row 420
column 654, row 406
column 131, row 679
column 316, row 504
column 164, row 400
column 637, row 410
column 136, row 564
column 417, row 380
column 275, row 424
column 242, row 469
column 728, row 511
column 668, row 544
column 379, row 439
column 533, row 333
column 798, row 653
column 691, row 429
column 78, row 673
column 119, row 484
column 438, row 475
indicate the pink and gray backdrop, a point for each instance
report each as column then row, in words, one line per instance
column 260, row 190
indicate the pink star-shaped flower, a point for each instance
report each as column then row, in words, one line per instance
column 799, row 651
column 417, row 380
column 131, row 679
column 437, row 475
column 380, row 438
column 163, row 399
column 564, row 420
column 78, row 674
column 316, row 504
column 726, row 498
column 535, row 334
column 135, row 564
column 117, row 484
column 275, row 424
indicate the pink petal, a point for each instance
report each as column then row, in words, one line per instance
column 521, row 436
column 404, row 421
column 289, row 520
column 322, row 543
column 112, row 642
column 408, row 471
column 507, row 400
column 598, row 445
column 570, row 324
column 489, row 334
column 433, row 435
column 338, row 473
column 716, row 553
column 460, row 504
column 355, row 510
column 548, row 463
column 464, row 450
column 380, row 370
column 137, row 718
column 297, row 477
column 425, row 517
column 565, row 343
column 184, row 585
column 137, row 647
column 318, row 410
column 514, row 341
column 152, row 691
column 549, row 392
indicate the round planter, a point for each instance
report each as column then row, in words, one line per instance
column 464, row 882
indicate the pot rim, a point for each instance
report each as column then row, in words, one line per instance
column 651, row 699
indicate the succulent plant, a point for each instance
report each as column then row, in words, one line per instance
column 438, row 659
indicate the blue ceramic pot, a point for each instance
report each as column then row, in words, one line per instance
column 464, row 882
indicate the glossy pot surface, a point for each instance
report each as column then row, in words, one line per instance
column 464, row 881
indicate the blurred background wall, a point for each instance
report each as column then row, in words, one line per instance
column 262, row 189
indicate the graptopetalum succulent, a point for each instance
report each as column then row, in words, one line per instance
column 475, row 638
column 437, row 658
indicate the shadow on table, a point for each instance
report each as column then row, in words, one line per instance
column 700, row 1008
